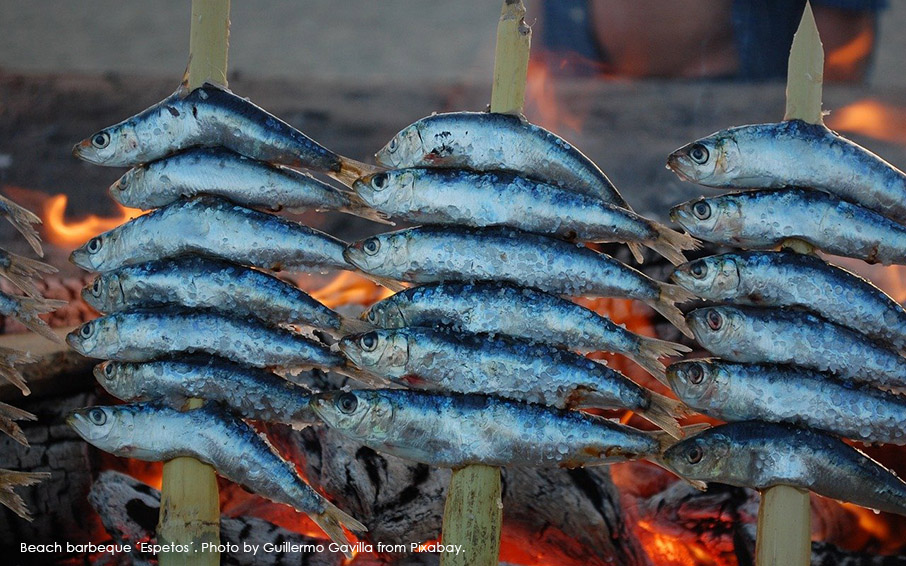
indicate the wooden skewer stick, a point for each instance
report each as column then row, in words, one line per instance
column 190, row 501
column 474, row 511
column 784, row 517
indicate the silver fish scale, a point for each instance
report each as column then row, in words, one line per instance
column 141, row 336
column 765, row 219
column 792, row 279
column 248, row 392
column 456, row 430
column 760, row 455
column 757, row 335
column 204, row 283
column 214, row 227
column 740, row 392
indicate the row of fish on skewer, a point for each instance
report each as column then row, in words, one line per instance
column 808, row 351
column 190, row 280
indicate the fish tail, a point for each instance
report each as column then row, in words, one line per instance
column 30, row 308
column 10, row 479
column 332, row 520
column 651, row 350
column 391, row 284
column 352, row 170
column 358, row 207
column 666, row 305
column 21, row 270
column 664, row 413
column 361, row 375
column 636, row 249
column 670, row 243
column 22, row 219
column 8, row 371
column 9, row 414
column 354, row 326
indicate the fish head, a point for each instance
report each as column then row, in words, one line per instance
column 119, row 379
column 105, row 293
column 709, row 161
column 404, row 150
column 379, row 351
column 128, row 189
column 114, row 146
column 718, row 328
column 94, row 254
column 707, row 217
column 702, row 457
column 361, row 413
column 109, row 428
column 694, row 381
column 393, row 186
column 385, row 314
column 714, row 277
column 378, row 254
column 92, row 338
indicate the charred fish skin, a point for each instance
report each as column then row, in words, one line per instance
column 748, row 334
column 451, row 431
column 763, row 220
column 251, row 393
column 758, row 156
column 156, row 433
column 216, row 228
column 430, row 254
column 760, row 455
column 204, row 283
column 138, row 336
column 781, row 279
column 521, row 312
column 487, row 141
column 208, row 116
column 734, row 391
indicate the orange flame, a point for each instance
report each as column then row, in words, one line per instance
column 66, row 233
column 871, row 118
column 541, row 105
column 348, row 288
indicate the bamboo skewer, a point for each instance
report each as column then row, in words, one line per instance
column 784, row 517
column 473, row 512
column 190, row 501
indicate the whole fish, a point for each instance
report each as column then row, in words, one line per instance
column 765, row 219
column 238, row 453
column 212, row 227
column 226, row 174
column 500, row 198
column 748, row 334
column 203, row 283
column 424, row 358
column 22, row 219
column 22, row 271
column 9, row 359
column 734, row 391
column 251, row 393
column 210, row 116
column 489, row 141
column 451, row 431
column 502, row 308
column 760, row 455
column 783, row 279
column 26, row 311
column 758, row 156
column 10, row 479
column 430, row 254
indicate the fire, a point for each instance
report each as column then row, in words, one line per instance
column 541, row 101
column 66, row 233
column 872, row 118
column 348, row 288
column 846, row 59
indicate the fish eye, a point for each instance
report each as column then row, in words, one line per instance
column 371, row 316
column 379, row 181
column 97, row 416
column 698, row 269
column 695, row 455
column 87, row 330
column 347, row 403
column 701, row 210
column 392, row 145
column 369, row 341
column 100, row 140
column 109, row 371
column 96, row 287
column 94, row 245
column 371, row 246
column 699, row 154
column 696, row 374
column 715, row 321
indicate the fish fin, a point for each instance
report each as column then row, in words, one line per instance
column 665, row 304
column 358, row 207
column 391, row 284
column 22, row 219
column 636, row 249
column 9, row 414
column 30, row 308
column 664, row 413
column 10, row 479
column 183, row 89
column 361, row 375
column 20, row 271
column 650, row 352
column 332, row 520
column 352, row 170
column 8, row 371
column 670, row 243
column 354, row 326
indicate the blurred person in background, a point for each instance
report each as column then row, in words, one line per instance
column 718, row 39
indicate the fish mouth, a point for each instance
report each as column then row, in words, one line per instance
column 75, row 419
column 354, row 254
column 678, row 214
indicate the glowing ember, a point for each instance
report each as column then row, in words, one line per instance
column 66, row 233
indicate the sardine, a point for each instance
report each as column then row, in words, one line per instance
column 765, row 219
column 22, row 219
column 502, row 308
column 733, row 391
column 238, row 453
column 210, row 116
column 21, row 272
column 760, row 455
column 226, row 174
column 8, row 417
column 424, row 358
column 489, row 141
column 9, row 359
column 26, row 311
column 759, row 156
column 748, row 334
column 10, row 479
column 451, row 431
column 430, row 254
column 467, row 198
column 784, row 279
column 203, row 283
column 251, row 393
